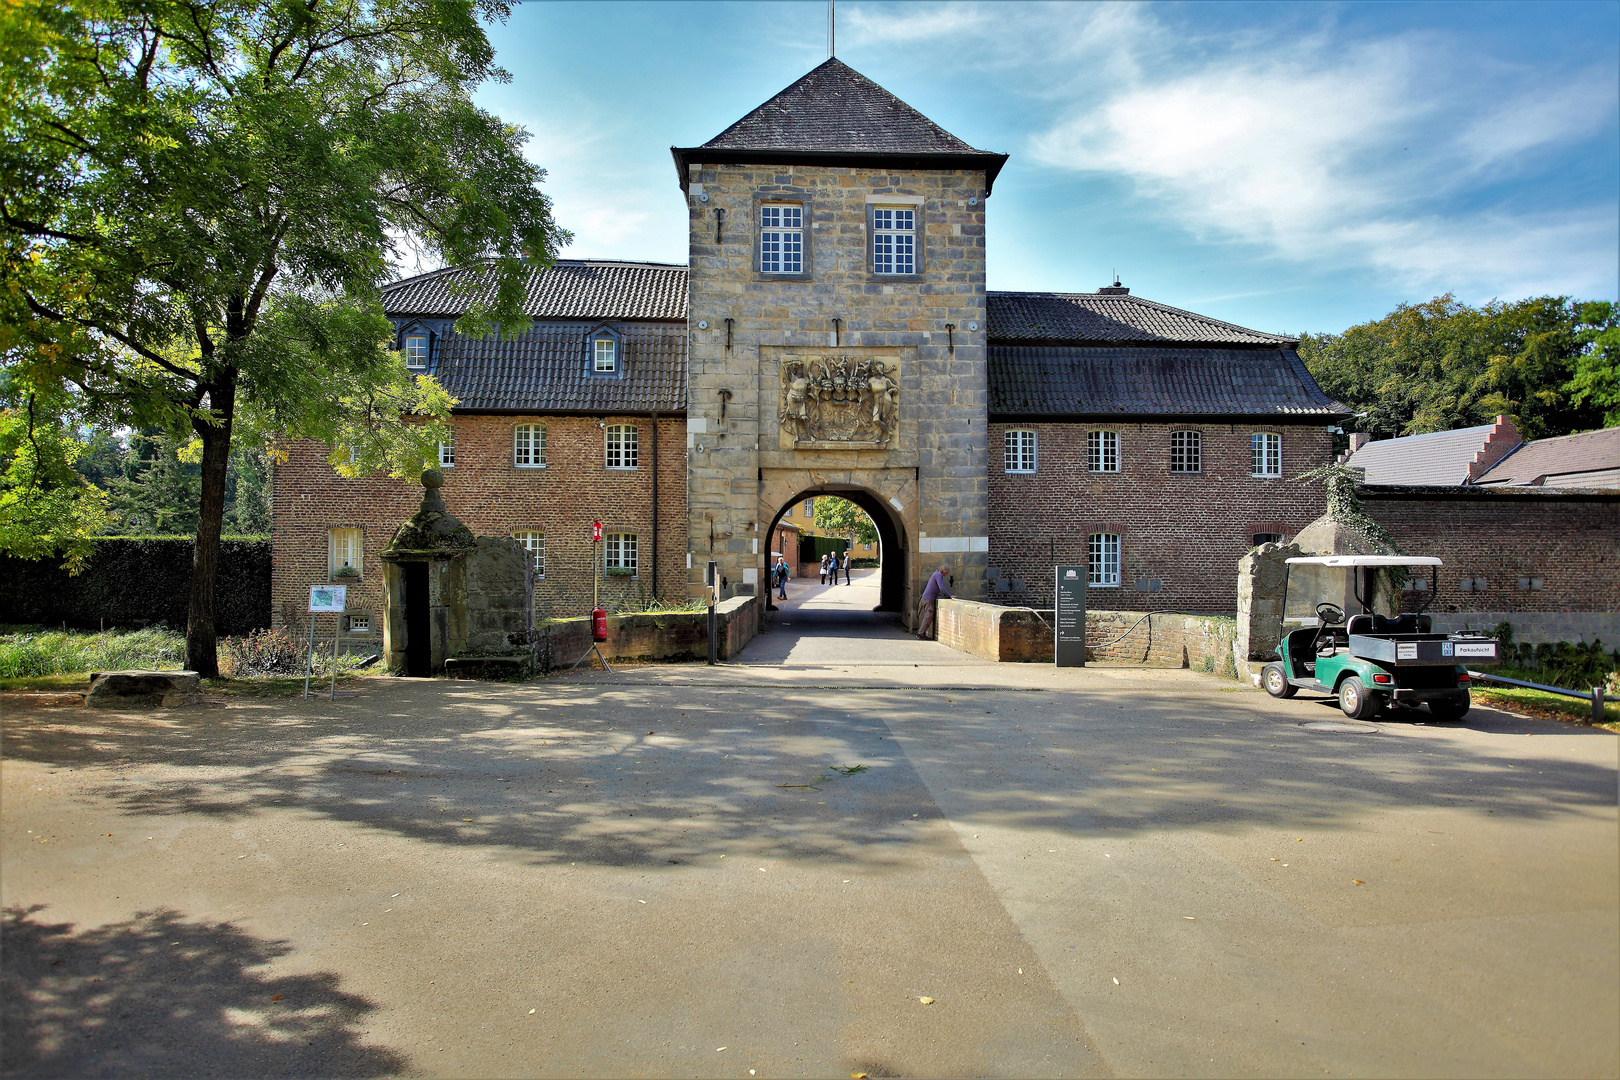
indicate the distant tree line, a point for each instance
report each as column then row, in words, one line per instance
column 153, row 483
column 1550, row 363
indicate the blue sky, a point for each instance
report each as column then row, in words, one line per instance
column 1284, row 166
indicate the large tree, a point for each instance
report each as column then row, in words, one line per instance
column 1549, row 362
column 846, row 519
column 200, row 201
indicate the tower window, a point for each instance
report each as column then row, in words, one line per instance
column 894, row 240
column 781, row 238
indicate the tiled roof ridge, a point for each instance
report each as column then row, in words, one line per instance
column 482, row 263
column 1481, row 428
column 1145, row 302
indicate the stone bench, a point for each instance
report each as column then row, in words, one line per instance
column 118, row 689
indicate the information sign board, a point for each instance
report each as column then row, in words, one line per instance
column 1069, row 617
column 327, row 598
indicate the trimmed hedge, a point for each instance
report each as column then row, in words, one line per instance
column 812, row 548
column 135, row 581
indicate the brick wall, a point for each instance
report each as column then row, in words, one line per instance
column 1186, row 530
column 494, row 498
column 1568, row 541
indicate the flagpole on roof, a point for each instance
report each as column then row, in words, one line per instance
column 832, row 28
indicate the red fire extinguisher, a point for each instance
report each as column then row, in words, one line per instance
column 598, row 625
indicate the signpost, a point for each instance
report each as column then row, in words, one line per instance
column 324, row 598
column 598, row 616
column 712, row 580
column 1069, row 617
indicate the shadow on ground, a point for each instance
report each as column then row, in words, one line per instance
column 158, row 994
column 650, row 774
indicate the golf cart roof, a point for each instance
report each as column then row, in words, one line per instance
column 1367, row 560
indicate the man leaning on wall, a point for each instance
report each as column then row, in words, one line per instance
column 936, row 590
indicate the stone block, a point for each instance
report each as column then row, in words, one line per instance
column 122, row 689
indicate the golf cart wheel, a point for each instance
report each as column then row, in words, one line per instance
column 1356, row 701
column 1275, row 680
column 1454, row 709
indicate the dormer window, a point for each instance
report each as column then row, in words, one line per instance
column 602, row 352
column 416, row 350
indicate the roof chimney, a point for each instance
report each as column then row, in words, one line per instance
column 1500, row 441
column 1116, row 289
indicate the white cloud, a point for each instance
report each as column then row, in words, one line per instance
column 1395, row 154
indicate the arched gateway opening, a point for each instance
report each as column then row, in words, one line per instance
column 892, row 551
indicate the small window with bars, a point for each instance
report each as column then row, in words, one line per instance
column 535, row 544
column 894, row 240
column 781, row 238
column 359, row 622
column 1102, row 560
column 622, row 446
column 344, row 553
column 447, row 451
column 416, row 351
column 1018, row 451
column 621, row 551
column 529, row 446
column 1102, row 451
column 1267, row 450
column 1186, row 451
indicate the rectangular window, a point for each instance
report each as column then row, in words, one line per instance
column 359, row 622
column 1102, row 561
column 781, row 238
column 535, row 544
column 621, row 551
column 1102, row 451
column 1186, row 451
column 447, row 451
column 416, row 351
column 606, row 354
column 894, row 241
column 529, row 446
column 344, row 551
column 1266, row 538
column 622, row 442
column 1018, row 451
column 1267, row 449
column 809, row 508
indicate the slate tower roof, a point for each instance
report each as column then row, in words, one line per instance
column 836, row 115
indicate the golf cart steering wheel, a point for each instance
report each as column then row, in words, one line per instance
column 1330, row 615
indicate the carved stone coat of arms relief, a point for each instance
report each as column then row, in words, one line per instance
column 840, row 399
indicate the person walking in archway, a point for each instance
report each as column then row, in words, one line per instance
column 824, row 569
column 932, row 593
column 847, row 554
column 781, row 577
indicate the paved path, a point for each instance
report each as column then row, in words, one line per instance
column 835, row 626
column 678, row 870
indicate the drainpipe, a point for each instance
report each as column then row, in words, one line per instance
column 654, row 416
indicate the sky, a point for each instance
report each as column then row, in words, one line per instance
column 1288, row 167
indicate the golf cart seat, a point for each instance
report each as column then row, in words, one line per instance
column 1409, row 623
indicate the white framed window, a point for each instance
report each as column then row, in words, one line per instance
column 604, row 354
column 529, row 446
column 894, row 240
column 621, row 551
column 416, row 351
column 344, row 550
column 447, row 451
column 535, row 544
column 1102, row 560
column 1267, row 451
column 1102, row 451
column 1186, row 451
column 359, row 622
column 809, row 508
column 1018, row 451
column 622, row 446
column 781, row 238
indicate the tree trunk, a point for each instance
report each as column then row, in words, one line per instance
column 202, row 655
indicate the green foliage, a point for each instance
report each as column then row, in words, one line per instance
column 200, row 202
column 56, row 652
column 1548, row 362
column 263, row 652
column 133, row 581
column 46, row 507
column 1572, row 665
column 845, row 518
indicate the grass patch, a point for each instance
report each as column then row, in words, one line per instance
column 1546, row 706
column 63, row 652
column 76, row 683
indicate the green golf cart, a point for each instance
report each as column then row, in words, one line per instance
column 1368, row 660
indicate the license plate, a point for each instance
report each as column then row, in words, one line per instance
column 1406, row 650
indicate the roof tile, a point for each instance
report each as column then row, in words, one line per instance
column 1118, row 317
column 571, row 289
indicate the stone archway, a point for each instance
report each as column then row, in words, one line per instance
column 889, row 497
